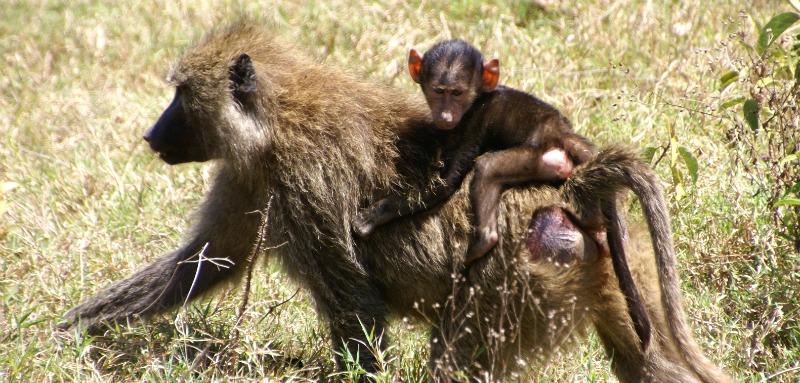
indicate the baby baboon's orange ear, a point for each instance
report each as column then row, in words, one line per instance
column 414, row 65
column 491, row 74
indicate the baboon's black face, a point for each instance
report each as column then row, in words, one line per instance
column 173, row 138
column 186, row 130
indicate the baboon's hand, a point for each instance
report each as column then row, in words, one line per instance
column 88, row 316
column 362, row 223
column 64, row 325
column 137, row 297
column 367, row 220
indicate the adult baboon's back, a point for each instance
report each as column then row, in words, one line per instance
column 319, row 144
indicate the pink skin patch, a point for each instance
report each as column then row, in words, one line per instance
column 553, row 236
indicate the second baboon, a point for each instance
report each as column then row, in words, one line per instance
column 319, row 144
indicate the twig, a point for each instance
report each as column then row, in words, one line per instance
column 262, row 233
column 773, row 376
column 197, row 361
column 279, row 304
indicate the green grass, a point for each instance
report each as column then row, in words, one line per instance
column 83, row 202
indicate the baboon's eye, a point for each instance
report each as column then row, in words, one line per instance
column 457, row 92
column 438, row 90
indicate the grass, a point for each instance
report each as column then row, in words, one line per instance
column 83, row 202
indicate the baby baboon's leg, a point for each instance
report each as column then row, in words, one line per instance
column 496, row 170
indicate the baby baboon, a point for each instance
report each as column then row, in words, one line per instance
column 506, row 134
column 318, row 143
column 512, row 138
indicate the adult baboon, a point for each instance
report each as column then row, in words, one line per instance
column 320, row 144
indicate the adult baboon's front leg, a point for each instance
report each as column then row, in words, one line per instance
column 352, row 304
column 223, row 239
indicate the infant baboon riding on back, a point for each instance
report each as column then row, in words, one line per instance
column 510, row 137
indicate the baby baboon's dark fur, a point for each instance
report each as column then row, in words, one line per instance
column 320, row 144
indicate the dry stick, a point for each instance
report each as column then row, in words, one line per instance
column 272, row 308
column 262, row 233
column 262, row 229
column 196, row 362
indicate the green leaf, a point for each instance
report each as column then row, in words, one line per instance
column 788, row 201
column 691, row 162
column 649, row 153
column 774, row 28
column 789, row 158
column 677, row 182
column 765, row 81
column 31, row 323
column 750, row 111
column 730, row 103
column 680, row 191
column 794, row 189
column 727, row 79
column 673, row 158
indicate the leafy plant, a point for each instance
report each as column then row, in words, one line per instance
column 679, row 157
column 763, row 91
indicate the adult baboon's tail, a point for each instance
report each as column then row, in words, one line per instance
column 600, row 179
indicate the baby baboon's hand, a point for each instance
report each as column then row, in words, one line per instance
column 362, row 223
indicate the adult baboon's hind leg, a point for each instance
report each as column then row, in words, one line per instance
column 555, row 235
column 522, row 305
column 661, row 362
column 470, row 341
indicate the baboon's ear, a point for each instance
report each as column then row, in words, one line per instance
column 243, row 75
column 415, row 65
column 491, row 75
